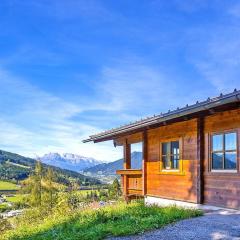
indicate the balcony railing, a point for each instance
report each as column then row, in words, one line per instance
column 129, row 172
column 131, row 181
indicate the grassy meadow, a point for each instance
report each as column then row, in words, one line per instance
column 116, row 220
column 8, row 186
column 15, row 198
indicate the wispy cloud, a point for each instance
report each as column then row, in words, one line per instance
column 134, row 87
column 35, row 122
column 219, row 60
column 213, row 49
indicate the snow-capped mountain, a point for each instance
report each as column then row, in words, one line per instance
column 69, row 161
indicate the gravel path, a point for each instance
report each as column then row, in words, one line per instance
column 224, row 225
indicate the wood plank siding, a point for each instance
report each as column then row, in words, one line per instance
column 221, row 188
column 178, row 185
column 194, row 182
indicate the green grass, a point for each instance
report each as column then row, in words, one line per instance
column 16, row 198
column 8, row 186
column 85, row 192
column 117, row 220
column 4, row 207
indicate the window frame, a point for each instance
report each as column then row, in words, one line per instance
column 223, row 151
column 171, row 171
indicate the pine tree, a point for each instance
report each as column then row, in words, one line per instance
column 115, row 189
column 36, row 182
column 50, row 189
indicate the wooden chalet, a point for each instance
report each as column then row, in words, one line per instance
column 190, row 155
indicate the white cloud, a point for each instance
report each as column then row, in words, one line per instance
column 133, row 86
column 138, row 89
column 215, row 54
column 34, row 122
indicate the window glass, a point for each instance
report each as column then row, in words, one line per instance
column 175, row 147
column 170, row 155
column 230, row 160
column 175, row 161
column 166, row 148
column 230, row 141
column 224, row 151
column 217, row 161
column 217, row 142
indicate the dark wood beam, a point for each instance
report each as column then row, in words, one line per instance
column 212, row 111
column 127, row 155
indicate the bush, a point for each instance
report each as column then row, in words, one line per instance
column 4, row 207
column 4, row 225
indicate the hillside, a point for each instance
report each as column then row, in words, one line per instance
column 16, row 167
column 69, row 161
column 110, row 168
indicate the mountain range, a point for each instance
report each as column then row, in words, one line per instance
column 110, row 168
column 16, row 167
column 69, row 161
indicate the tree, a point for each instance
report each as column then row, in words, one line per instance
column 49, row 188
column 115, row 189
column 36, row 182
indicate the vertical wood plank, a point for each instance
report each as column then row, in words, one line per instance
column 127, row 155
column 144, row 160
column 126, row 165
column 200, row 159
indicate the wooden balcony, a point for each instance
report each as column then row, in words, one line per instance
column 131, row 182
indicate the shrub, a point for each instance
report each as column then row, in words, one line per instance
column 4, row 225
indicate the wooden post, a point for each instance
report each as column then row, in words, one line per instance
column 200, row 159
column 126, row 165
column 144, row 160
column 127, row 155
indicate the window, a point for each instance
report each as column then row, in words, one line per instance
column 170, row 155
column 224, row 151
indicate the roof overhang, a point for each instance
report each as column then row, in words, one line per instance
column 199, row 108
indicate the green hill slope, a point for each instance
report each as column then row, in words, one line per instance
column 14, row 167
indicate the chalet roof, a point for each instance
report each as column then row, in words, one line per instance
column 208, row 104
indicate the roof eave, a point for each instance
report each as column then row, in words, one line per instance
column 207, row 105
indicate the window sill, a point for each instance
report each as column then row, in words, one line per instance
column 223, row 171
column 171, row 172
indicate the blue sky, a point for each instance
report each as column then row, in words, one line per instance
column 71, row 68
